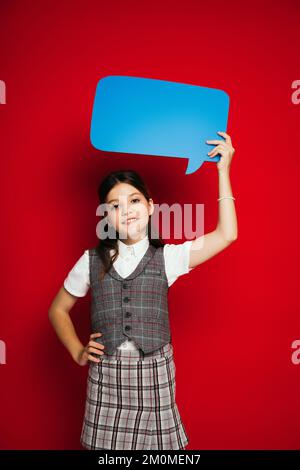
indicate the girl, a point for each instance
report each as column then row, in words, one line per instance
column 130, row 402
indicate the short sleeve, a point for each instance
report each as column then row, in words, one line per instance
column 77, row 281
column 177, row 258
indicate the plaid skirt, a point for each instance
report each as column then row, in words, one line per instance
column 130, row 402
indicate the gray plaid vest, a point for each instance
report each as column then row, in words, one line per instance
column 134, row 307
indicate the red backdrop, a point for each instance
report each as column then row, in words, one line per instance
column 233, row 318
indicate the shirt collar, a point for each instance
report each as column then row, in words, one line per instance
column 135, row 249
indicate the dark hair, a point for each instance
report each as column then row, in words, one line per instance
column 105, row 245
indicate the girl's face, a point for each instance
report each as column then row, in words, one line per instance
column 125, row 202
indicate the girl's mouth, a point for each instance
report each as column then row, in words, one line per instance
column 130, row 220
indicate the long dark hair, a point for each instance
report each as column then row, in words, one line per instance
column 106, row 244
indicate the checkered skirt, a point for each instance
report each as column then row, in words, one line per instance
column 130, row 402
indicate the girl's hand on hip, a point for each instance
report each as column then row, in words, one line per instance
column 225, row 148
column 85, row 354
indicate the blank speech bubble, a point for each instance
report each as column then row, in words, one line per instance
column 156, row 117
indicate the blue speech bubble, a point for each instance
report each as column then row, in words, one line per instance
column 156, row 117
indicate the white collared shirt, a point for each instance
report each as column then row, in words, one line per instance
column 176, row 258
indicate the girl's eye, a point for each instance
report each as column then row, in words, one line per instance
column 115, row 206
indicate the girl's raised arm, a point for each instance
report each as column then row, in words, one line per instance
column 208, row 245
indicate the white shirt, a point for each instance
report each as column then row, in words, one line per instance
column 176, row 258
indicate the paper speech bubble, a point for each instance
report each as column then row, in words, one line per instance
column 156, row 117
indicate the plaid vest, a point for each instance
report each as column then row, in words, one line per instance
column 134, row 307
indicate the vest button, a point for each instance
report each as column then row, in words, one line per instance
column 128, row 314
column 126, row 299
column 127, row 327
column 125, row 286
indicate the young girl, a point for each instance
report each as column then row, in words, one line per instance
column 130, row 402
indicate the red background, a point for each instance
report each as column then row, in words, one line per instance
column 234, row 317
